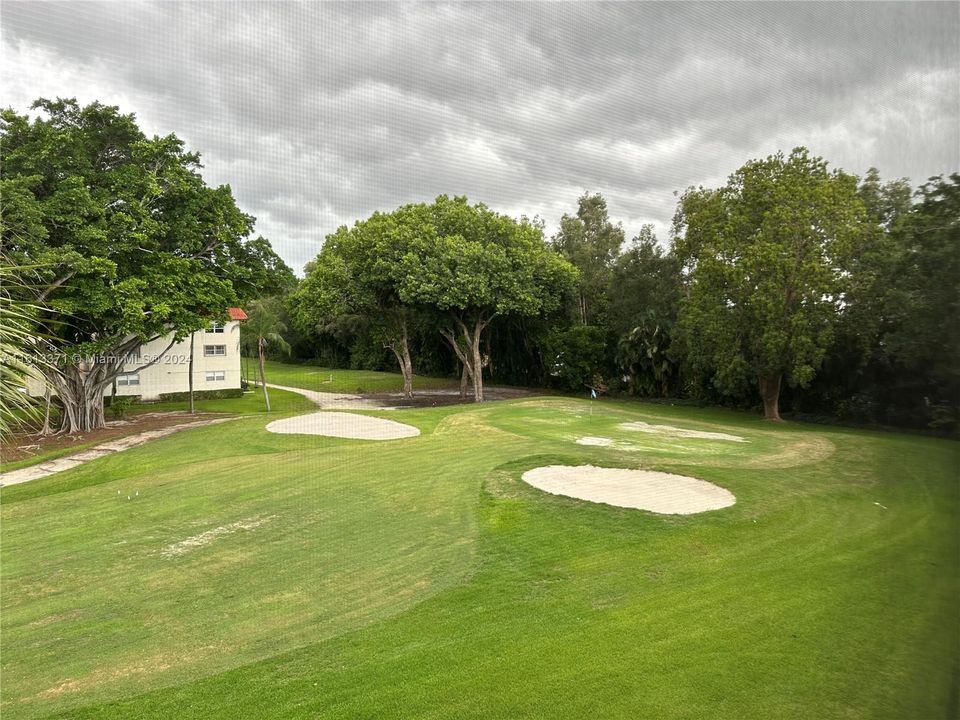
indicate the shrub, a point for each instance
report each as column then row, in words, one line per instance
column 119, row 407
column 202, row 394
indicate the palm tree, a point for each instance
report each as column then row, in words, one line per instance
column 21, row 350
column 262, row 332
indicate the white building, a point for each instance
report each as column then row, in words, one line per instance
column 216, row 363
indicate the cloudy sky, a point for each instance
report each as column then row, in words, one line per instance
column 318, row 114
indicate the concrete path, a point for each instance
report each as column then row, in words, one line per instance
column 35, row 472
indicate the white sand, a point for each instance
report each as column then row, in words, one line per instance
column 679, row 432
column 643, row 489
column 343, row 425
column 596, row 441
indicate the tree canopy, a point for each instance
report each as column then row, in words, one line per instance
column 129, row 241
column 766, row 257
column 473, row 265
column 592, row 243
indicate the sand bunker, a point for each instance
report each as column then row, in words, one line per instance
column 343, row 425
column 679, row 432
column 595, row 441
column 643, row 489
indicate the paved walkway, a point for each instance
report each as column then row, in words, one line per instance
column 35, row 472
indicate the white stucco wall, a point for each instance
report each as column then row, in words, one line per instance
column 170, row 373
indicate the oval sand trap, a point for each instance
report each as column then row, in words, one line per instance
column 343, row 425
column 643, row 489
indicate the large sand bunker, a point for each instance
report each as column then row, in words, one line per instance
column 343, row 425
column 643, row 489
column 680, row 432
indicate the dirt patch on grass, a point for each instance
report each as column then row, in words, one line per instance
column 441, row 398
column 595, row 441
column 657, row 492
column 803, row 451
column 205, row 538
column 677, row 432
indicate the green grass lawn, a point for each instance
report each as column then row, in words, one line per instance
column 255, row 575
column 321, row 379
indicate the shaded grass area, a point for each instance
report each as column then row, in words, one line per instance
column 311, row 377
column 422, row 578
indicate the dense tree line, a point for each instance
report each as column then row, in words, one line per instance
column 794, row 287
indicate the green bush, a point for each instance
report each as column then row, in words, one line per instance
column 119, row 406
column 202, row 394
column 576, row 357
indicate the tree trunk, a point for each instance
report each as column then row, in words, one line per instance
column 464, row 379
column 81, row 394
column 190, row 376
column 770, row 392
column 81, row 385
column 469, row 353
column 401, row 349
column 477, row 363
column 407, row 372
column 45, row 430
column 263, row 374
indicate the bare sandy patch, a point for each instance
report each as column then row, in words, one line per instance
column 595, row 441
column 657, row 492
column 179, row 548
column 679, row 432
column 343, row 425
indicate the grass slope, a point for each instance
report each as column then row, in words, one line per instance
column 422, row 578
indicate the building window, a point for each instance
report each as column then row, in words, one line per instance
column 215, row 328
column 127, row 380
column 216, row 375
column 214, row 350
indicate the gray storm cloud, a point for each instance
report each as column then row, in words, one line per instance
column 318, row 114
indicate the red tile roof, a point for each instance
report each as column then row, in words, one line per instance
column 236, row 314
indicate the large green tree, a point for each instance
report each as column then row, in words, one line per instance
column 766, row 258
column 591, row 243
column 923, row 338
column 352, row 286
column 473, row 265
column 642, row 313
column 129, row 241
